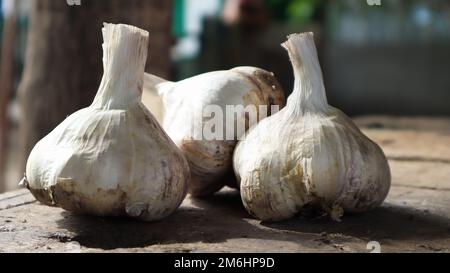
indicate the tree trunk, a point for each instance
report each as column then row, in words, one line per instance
column 6, row 82
column 63, row 64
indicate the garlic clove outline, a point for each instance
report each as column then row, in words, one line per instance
column 180, row 109
column 111, row 158
column 309, row 152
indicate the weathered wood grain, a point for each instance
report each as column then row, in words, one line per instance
column 414, row 218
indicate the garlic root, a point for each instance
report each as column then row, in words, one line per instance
column 111, row 158
column 182, row 102
column 309, row 152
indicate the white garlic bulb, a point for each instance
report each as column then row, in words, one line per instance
column 309, row 152
column 182, row 103
column 111, row 158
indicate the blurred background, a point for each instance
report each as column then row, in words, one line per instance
column 388, row 59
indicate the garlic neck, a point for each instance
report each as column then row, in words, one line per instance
column 124, row 57
column 309, row 90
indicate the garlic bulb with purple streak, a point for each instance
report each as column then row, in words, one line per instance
column 309, row 152
column 179, row 106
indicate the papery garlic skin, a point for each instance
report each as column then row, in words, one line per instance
column 111, row 158
column 309, row 152
column 210, row 161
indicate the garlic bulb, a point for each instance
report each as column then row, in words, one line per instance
column 111, row 158
column 309, row 152
column 183, row 102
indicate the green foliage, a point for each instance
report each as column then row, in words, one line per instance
column 298, row 11
column 302, row 11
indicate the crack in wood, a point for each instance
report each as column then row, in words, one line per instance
column 14, row 196
column 18, row 205
column 421, row 187
column 419, row 159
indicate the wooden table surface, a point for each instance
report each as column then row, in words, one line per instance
column 414, row 218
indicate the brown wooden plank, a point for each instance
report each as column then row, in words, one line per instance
column 411, row 220
column 421, row 174
column 410, row 139
column 414, row 218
